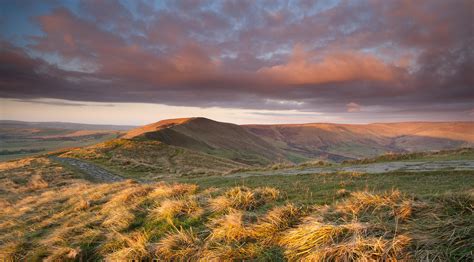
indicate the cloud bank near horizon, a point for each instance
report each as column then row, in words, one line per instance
column 331, row 57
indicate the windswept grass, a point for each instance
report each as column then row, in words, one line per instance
column 276, row 220
column 175, row 190
column 119, row 210
column 356, row 229
column 392, row 204
column 133, row 246
column 182, row 245
column 233, row 226
column 171, row 209
column 244, row 198
column 68, row 218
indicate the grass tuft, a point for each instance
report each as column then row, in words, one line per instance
column 64, row 254
column 182, row 245
column 128, row 247
column 316, row 241
column 243, row 198
column 174, row 190
column 230, row 227
column 275, row 221
column 37, row 182
column 389, row 205
column 176, row 208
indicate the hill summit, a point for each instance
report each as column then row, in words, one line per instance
column 139, row 131
column 220, row 139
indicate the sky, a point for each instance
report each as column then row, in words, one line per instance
column 136, row 62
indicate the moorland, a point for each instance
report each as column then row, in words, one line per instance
column 200, row 190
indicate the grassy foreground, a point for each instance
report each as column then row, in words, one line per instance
column 51, row 213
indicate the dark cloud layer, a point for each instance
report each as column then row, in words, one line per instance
column 334, row 56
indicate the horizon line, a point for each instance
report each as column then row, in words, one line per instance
column 251, row 124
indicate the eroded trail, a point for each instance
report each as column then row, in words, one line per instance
column 94, row 172
column 100, row 174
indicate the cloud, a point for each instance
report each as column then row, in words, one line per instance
column 246, row 54
column 353, row 107
column 56, row 102
column 336, row 67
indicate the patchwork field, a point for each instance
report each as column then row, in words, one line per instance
column 22, row 139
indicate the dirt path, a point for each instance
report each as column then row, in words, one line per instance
column 407, row 166
column 100, row 174
column 94, row 172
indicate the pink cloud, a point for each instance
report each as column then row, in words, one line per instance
column 353, row 107
column 394, row 54
column 334, row 67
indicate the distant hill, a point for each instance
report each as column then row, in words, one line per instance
column 20, row 139
column 61, row 125
column 339, row 141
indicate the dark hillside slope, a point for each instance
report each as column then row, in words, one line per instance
column 215, row 138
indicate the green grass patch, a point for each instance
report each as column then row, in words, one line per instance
column 321, row 188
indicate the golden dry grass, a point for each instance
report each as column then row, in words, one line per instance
column 278, row 219
column 63, row 254
column 119, row 210
column 133, row 246
column 218, row 251
column 174, row 190
column 230, row 227
column 244, row 198
column 182, row 245
column 72, row 219
column 176, row 208
column 391, row 204
column 342, row 193
column 316, row 241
